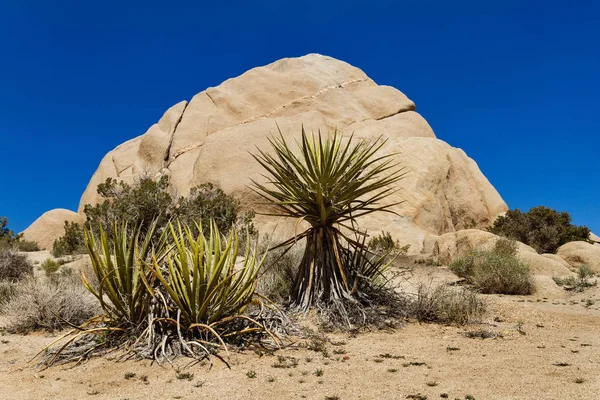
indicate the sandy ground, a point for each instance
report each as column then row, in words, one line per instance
column 546, row 349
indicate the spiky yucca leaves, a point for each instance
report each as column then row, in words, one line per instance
column 208, row 288
column 122, row 293
column 328, row 184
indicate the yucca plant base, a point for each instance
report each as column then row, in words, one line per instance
column 322, row 275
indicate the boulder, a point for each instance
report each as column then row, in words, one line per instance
column 50, row 226
column 212, row 138
column 581, row 253
column 595, row 239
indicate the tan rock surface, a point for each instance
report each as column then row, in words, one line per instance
column 580, row 253
column 595, row 238
column 50, row 226
column 211, row 138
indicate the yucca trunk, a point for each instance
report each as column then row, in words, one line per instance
column 323, row 275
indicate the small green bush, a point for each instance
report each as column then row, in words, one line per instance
column 27, row 245
column 14, row 266
column 8, row 239
column 71, row 242
column 579, row 283
column 496, row 271
column 542, row 228
column 50, row 266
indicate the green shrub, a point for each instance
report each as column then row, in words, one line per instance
column 27, row 245
column 149, row 201
column 496, row 271
column 579, row 283
column 50, row 266
column 8, row 239
column 143, row 203
column 14, row 266
column 71, row 242
column 542, row 228
column 206, row 203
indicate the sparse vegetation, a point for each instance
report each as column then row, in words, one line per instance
column 579, row 283
column 187, row 376
column 50, row 266
column 447, row 305
column 49, row 305
column 72, row 242
column 14, row 267
column 251, row 374
column 496, row 271
column 8, row 239
column 541, row 227
column 275, row 280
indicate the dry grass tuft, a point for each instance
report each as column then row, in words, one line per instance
column 49, row 305
column 447, row 305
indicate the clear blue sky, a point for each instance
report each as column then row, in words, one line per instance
column 513, row 83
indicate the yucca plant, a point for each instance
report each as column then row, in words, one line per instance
column 122, row 293
column 329, row 183
column 208, row 287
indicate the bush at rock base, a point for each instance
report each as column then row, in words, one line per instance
column 495, row 271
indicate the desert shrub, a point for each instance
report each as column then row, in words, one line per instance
column 14, row 266
column 49, row 305
column 579, row 283
column 71, row 242
column 144, row 202
column 383, row 242
column 149, row 201
column 7, row 291
column 275, row 281
column 542, row 228
column 50, row 266
column 447, row 305
column 495, row 271
column 207, row 202
column 8, row 239
column 27, row 245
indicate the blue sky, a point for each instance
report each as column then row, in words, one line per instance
column 514, row 83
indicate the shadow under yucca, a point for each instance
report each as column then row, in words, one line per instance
column 186, row 294
column 329, row 184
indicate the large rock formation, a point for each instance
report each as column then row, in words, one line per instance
column 211, row 138
column 50, row 226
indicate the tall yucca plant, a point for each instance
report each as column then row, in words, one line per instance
column 121, row 291
column 328, row 184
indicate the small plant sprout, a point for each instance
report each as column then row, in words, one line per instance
column 251, row 374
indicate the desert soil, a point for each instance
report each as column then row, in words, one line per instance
column 545, row 348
